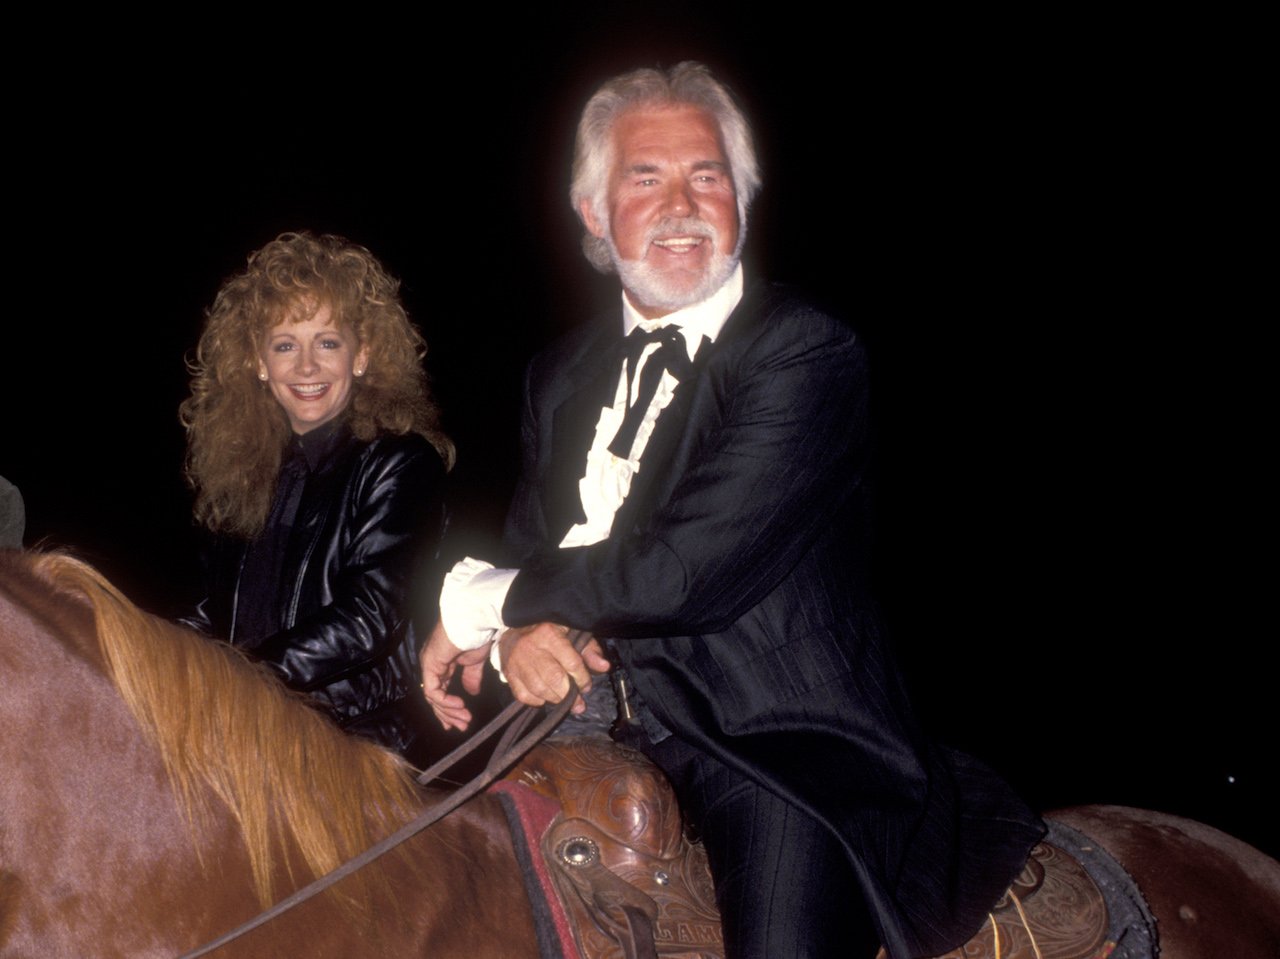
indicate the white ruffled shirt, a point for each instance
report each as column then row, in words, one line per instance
column 474, row 591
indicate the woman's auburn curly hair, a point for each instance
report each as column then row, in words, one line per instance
column 236, row 430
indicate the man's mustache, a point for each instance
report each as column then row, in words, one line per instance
column 681, row 226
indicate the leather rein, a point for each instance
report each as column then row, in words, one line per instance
column 511, row 747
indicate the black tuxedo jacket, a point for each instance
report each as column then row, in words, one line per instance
column 735, row 583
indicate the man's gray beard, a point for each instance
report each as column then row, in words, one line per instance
column 649, row 287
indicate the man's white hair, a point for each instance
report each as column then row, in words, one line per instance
column 688, row 83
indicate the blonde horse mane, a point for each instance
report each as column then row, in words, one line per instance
column 224, row 727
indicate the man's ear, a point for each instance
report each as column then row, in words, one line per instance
column 589, row 220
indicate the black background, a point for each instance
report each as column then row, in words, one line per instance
column 1029, row 221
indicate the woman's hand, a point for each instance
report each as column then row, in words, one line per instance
column 439, row 660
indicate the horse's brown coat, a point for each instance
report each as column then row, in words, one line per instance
column 98, row 854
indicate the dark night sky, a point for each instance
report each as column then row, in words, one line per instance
column 1015, row 219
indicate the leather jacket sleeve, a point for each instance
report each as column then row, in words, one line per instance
column 356, row 580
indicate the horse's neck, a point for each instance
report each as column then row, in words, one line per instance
column 92, row 835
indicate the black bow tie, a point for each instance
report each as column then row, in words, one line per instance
column 671, row 356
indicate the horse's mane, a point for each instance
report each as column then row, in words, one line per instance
column 225, row 727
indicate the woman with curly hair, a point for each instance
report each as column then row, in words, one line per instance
column 317, row 460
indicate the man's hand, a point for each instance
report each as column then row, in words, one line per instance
column 440, row 659
column 538, row 661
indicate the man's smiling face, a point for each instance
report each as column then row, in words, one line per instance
column 672, row 211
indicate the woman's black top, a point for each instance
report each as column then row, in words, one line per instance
column 323, row 594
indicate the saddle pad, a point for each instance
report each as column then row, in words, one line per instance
column 529, row 815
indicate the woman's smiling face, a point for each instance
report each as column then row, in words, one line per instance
column 309, row 366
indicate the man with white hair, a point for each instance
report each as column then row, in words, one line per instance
column 693, row 494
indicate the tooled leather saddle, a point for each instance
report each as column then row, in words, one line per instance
column 634, row 887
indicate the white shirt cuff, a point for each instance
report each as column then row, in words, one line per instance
column 471, row 602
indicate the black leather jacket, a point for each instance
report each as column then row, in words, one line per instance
column 370, row 516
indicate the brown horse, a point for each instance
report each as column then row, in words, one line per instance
column 159, row 789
